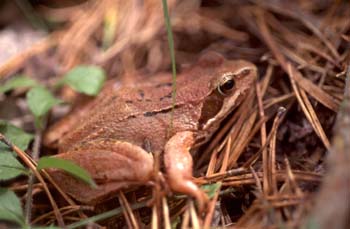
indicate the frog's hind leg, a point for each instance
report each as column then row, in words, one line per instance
column 112, row 164
column 178, row 164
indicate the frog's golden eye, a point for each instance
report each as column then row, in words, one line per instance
column 226, row 87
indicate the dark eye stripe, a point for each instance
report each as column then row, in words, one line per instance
column 211, row 107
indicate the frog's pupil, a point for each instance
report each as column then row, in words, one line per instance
column 228, row 85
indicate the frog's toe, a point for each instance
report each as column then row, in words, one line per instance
column 190, row 188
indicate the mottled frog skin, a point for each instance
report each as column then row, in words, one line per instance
column 113, row 136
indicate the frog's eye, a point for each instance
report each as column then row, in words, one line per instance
column 226, row 87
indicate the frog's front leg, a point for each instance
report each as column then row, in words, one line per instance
column 112, row 164
column 178, row 164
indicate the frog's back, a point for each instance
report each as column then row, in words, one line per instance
column 142, row 113
column 139, row 114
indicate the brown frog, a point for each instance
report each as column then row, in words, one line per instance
column 113, row 136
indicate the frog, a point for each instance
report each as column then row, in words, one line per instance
column 115, row 136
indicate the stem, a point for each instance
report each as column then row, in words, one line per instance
column 35, row 156
column 173, row 63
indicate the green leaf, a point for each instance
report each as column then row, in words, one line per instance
column 17, row 82
column 85, row 79
column 10, row 207
column 68, row 166
column 10, row 167
column 16, row 135
column 40, row 101
column 211, row 189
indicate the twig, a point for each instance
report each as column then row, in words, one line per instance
column 276, row 123
column 129, row 215
column 262, row 132
column 165, row 205
column 35, row 157
column 18, row 61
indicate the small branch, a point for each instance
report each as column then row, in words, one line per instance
column 35, row 157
